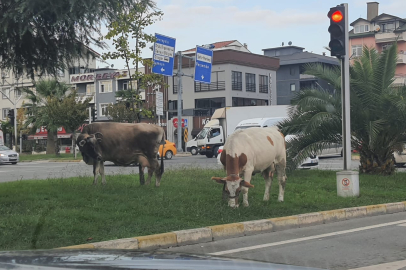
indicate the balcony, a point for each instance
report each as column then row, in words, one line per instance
column 83, row 96
column 401, row 58
column 399, row 81
column 382, row 37
column 307, row 77
column 213, row 86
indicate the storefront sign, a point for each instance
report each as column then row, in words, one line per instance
column 91, row 77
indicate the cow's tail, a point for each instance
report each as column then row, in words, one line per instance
column 162, row 169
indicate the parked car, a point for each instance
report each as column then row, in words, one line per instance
column 169, row 150
column 400, row 158
column 333, row 150
column 8, row 156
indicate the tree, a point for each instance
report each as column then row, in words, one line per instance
column 131, row 24
column 378, row 112
column 46, row 35
column 44, row 109
column 75, row 112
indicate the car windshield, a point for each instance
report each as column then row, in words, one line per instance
column 4, row 148
column 245, row 127
column 202, row 133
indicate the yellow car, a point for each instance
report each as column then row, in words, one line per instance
column 169, row 150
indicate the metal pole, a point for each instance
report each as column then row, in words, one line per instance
column 21, row 142
column 179, row 74
column 15, row 126
column 345, row 94
column 90, row 115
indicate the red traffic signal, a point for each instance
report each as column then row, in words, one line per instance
column 337, row 16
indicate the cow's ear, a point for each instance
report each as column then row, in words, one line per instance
column 219, row 180
column 82, row 142
column 99, row 137
column 246, row 184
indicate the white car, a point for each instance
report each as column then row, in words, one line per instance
column 8, row 156
column 310, row 162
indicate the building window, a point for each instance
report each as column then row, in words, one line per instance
column 6, row 92
column 5, row 113
column 103, row 109
column 356, row 50
column 125, row 86
column 105, row 86
column 292, row 87
column 238, row 102
column 173, row 105
column 90, row 89
column 292, row 71
column 386, row 47
column 61, row 73
column 236, row 80
column 17, row 93
column 207, row 106
column 361, row 29
column 263, row 84
column 217, row 83
column 250, row 82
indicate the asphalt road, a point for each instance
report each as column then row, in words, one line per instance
column 373, row 243
column 44, row 169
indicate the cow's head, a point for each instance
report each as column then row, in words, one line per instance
column 233, row 183
column 89, row 146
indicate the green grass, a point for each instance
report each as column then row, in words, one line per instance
column 61, row 212
column 49, row 157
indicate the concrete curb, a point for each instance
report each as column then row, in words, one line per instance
column 183, row 155
column 233, row 230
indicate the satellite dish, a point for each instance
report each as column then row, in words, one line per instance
column 290, row 43
column 377, row 28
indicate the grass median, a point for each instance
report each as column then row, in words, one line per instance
column 51, row 157
column 41, row 214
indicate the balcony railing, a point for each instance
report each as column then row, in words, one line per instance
column 214, row 86
column 263, row 88
column 382, row 37
column 250, row 87
column 399, row 81
column 237, row 86
column 401, row 58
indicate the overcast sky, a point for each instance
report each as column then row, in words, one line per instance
column 259, row 23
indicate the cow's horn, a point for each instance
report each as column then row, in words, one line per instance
column 246, row 184
column 82, row 142
column 216, row 178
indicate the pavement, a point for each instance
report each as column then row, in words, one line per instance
column 369, row 243
column 46, row 169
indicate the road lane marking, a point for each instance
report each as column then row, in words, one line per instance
column 402, row 225
column 387, row 266
column 306, row 238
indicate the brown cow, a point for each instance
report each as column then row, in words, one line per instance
column 123, row 144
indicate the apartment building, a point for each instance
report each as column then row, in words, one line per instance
column 380, row 31
column 239, row 78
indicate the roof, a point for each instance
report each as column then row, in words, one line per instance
column 358, row 20
column 217, row 45
column 306, row 57
column 284, row 47
column 377, row 18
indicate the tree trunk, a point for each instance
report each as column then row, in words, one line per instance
column 372, row 163
column 56, row 143
column 50, row 143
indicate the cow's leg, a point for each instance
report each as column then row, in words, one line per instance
column 103, row 176
column 150, row 173
column 244, row 190
column 268, row 176
column 96, row 171
column 280, row 170
column 158, row 172
column 141, row 171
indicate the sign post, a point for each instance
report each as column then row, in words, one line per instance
column 203, row 65
column 159, row 104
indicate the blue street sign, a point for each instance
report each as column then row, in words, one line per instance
column 203, row 64
column 163, row 57
column 186, row 122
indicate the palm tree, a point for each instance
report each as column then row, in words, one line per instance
column 378, row 112
column 44, row 109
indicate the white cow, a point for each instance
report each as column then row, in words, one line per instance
column 253, row 150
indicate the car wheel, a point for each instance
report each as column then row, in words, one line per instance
column 14, row 163
column 168, row 154
column 193, row 151
column 209, row 155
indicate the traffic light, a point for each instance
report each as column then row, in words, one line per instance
column 338, row 29
column 94, row 114
column 11, row 116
